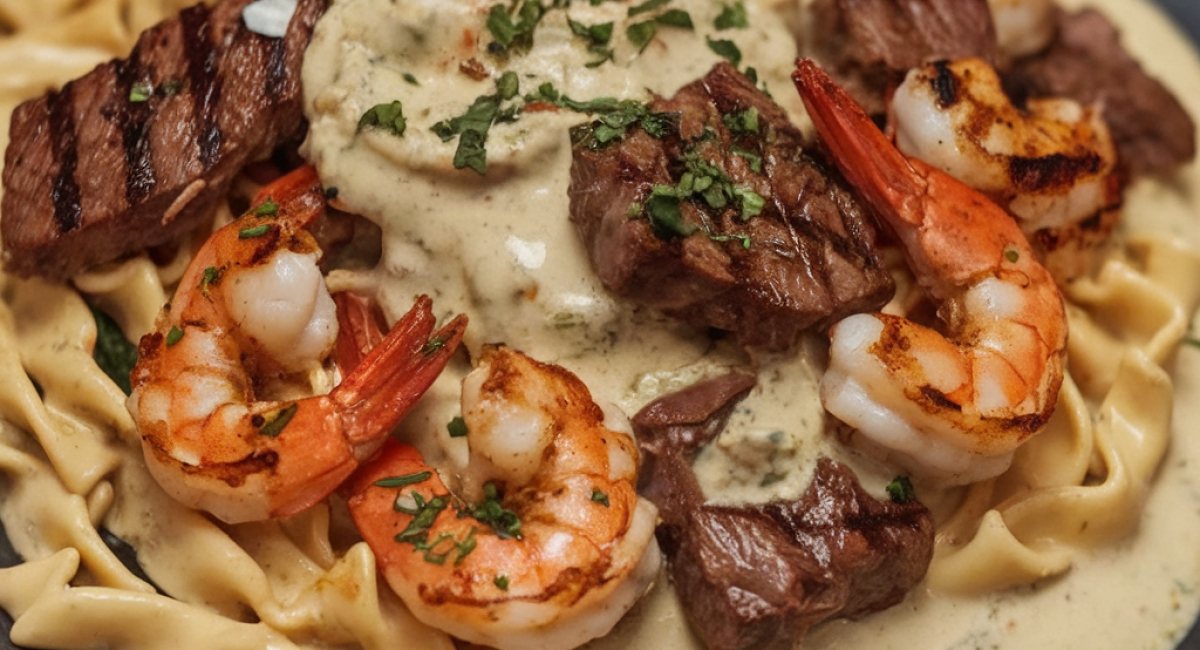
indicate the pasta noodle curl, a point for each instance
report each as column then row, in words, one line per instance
column 1083, row 481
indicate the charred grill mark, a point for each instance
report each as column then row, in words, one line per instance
column 65, row 194
column 202, row 78
column 1056, row 170
column 276, row 70
column 945, row 84
column 133, row 120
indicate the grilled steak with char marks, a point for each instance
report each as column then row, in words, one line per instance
column 759, row 576
column 869, row 45
column 761, row 236
column 139, row 151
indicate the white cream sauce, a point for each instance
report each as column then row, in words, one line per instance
column 501, row 249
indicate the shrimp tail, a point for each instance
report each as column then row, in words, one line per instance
column 886, row 178
column 298, row 195
column 377, row 394
column 359, row 330
column 929, row 210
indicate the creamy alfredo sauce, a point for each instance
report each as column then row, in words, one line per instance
column 501, row 249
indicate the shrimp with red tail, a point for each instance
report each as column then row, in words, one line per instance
column 953, row 403
column 221, row 428
column 545, row 544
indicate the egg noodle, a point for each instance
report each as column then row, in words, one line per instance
column 71, row 462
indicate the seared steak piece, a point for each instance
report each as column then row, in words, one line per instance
column 1086, row 62
column 759, row 576
column 726, row 220
column 869, row 45
column 138, row 151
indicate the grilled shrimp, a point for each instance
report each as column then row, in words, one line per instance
column 251, row 310
column 1052, row 164
column 547, row 543
column 954, row 405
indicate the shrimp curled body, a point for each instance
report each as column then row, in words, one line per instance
column 1051, row 163
column 251, row 310
column 950, row 405
column 558, row 545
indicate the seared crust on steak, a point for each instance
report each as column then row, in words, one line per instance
column 834, row 552
column 1087, row 63
column 806, row 260
column 139, row 151
column 869, row 45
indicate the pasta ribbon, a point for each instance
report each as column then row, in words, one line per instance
column 1083, row 481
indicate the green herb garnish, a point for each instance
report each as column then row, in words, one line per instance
column 732, row 17
column 501, row 582
column 457, row 427
column 471, row 128
column 901, row 491
column 256, row 231
column 273, row 426
column 115, row 355
column 267, row 208
column 211, row 276
column 599, row 497
column 505, row 522
column 174, row 336
column 401, row 481
column 597, row 37
column 388, row 117
column 742, row 122
column 725, row 49
column 647, row 7
column 141, row 91
column 509, row 34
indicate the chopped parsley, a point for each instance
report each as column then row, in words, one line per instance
column 675, row 18
column 115, row 355
column 641, row 33
column 501, row 582
column 614, row 118
column 901, row 491
column 1012, row 255
column 599, row 497
column 388, row 117
column 401, row 481
column 256, row 231
column 742, row 122
column 211, row 276
column 598, row 37
column 510, row 34
column 273, row 425
column 141, row 91
column 174, row 336
column 471, row 128
column 503, row 521
column 433, row 346
column 725, row 49
column 457, row 427
column 647, row 7
column 267, row 208
column 410, row 78
column 732, row 17
column 665, row 212
column 743, row 239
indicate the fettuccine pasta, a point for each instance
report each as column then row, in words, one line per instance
column 71, row 466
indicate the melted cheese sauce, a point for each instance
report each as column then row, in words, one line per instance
column 501, row 249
